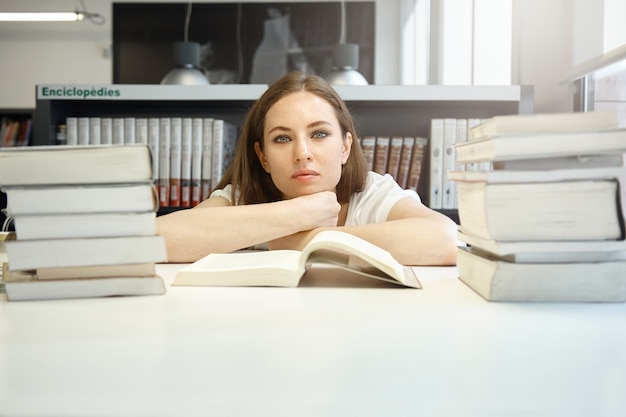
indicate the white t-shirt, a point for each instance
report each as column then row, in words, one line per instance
column 372, row 205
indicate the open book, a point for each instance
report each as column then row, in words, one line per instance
column 284, row 268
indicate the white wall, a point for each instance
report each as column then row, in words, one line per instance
column 545, row 46
column 76, row 52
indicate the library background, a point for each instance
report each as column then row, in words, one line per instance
column 425, row 63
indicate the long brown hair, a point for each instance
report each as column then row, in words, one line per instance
column 249, row 180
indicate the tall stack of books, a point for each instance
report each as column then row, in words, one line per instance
column 546, row 223
column 190, row 154
column 84, row 220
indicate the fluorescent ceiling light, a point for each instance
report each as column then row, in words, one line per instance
column 40, row 16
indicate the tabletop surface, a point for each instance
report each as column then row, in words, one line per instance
column 316, row 350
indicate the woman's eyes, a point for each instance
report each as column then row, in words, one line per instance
column 318, row 134
column 281, row 139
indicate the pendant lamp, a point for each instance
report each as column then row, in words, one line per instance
column 186, row 61
column 345, row 58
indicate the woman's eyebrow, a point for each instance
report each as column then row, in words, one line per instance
column 281, row 128
column 310, row 125
column 318, row 123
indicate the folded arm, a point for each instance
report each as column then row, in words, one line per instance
column 413, row 234
column 216, row 226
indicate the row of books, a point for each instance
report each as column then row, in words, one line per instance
column 85, row 222
column 445, row 133
column 545, row 222
column 400, row 156
column 15, row 132
column 189, row 154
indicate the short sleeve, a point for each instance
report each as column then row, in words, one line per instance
column 374, row 203
column 225, row 192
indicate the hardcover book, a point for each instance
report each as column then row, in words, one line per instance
column 498, row 280
column 56, row 165
column 285, row 268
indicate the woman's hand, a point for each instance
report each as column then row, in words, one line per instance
column 317, row 211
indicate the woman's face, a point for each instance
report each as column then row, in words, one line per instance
column 303, row 147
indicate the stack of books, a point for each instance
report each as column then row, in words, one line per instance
column 190, row 154
column 85, row 222
column 546, row 222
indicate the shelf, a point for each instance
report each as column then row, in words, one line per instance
column 378, row 110
column 521, row 95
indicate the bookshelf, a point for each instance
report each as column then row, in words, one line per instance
column 15, row 126
column 20, row 132
column 377, row 109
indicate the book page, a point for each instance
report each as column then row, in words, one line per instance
column 347, row 244
column 241, row 261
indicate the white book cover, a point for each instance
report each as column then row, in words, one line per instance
column 141, row 130
column 71, row 131
column 106, row 131
column 185, row 172
column 448, row 198
column 84, row 225
column 154, row 145
column 54, row 253
column 95, row 133
column 224, row 141
column 118, row 130
column 83, row 130
column 550, row 145
column 129, row 130
column 175, row 160
column 472, row 123
column 207, row 157
column 435, row 200
column 196, row 160
column 165, row 134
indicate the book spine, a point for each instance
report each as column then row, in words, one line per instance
column 218, row 152
column 185, row 173
column 71, row 131
column 435, row 200
column 405, row 161
column 154, row 145
column 164, row 165
column 417, row 162
column 129, row 130
column 141, row 130
column 368, row 145
column 395, row 149
column 449, row 138
column 381, row 156
column 118, row 130
column 106, row 131
column 207, row 157
column 196, row 161
column 95, row 130
column 83, row 130
column 175, row 160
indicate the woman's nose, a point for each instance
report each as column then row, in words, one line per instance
column 302, row 150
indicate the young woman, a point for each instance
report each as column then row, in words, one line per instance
column 299, row 169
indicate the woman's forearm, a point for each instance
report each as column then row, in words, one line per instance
column 413, row 241
column 214, row 226
column 194, row 233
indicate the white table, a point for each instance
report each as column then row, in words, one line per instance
column 312, row 351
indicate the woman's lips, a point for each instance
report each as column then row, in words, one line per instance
column 304, row 174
